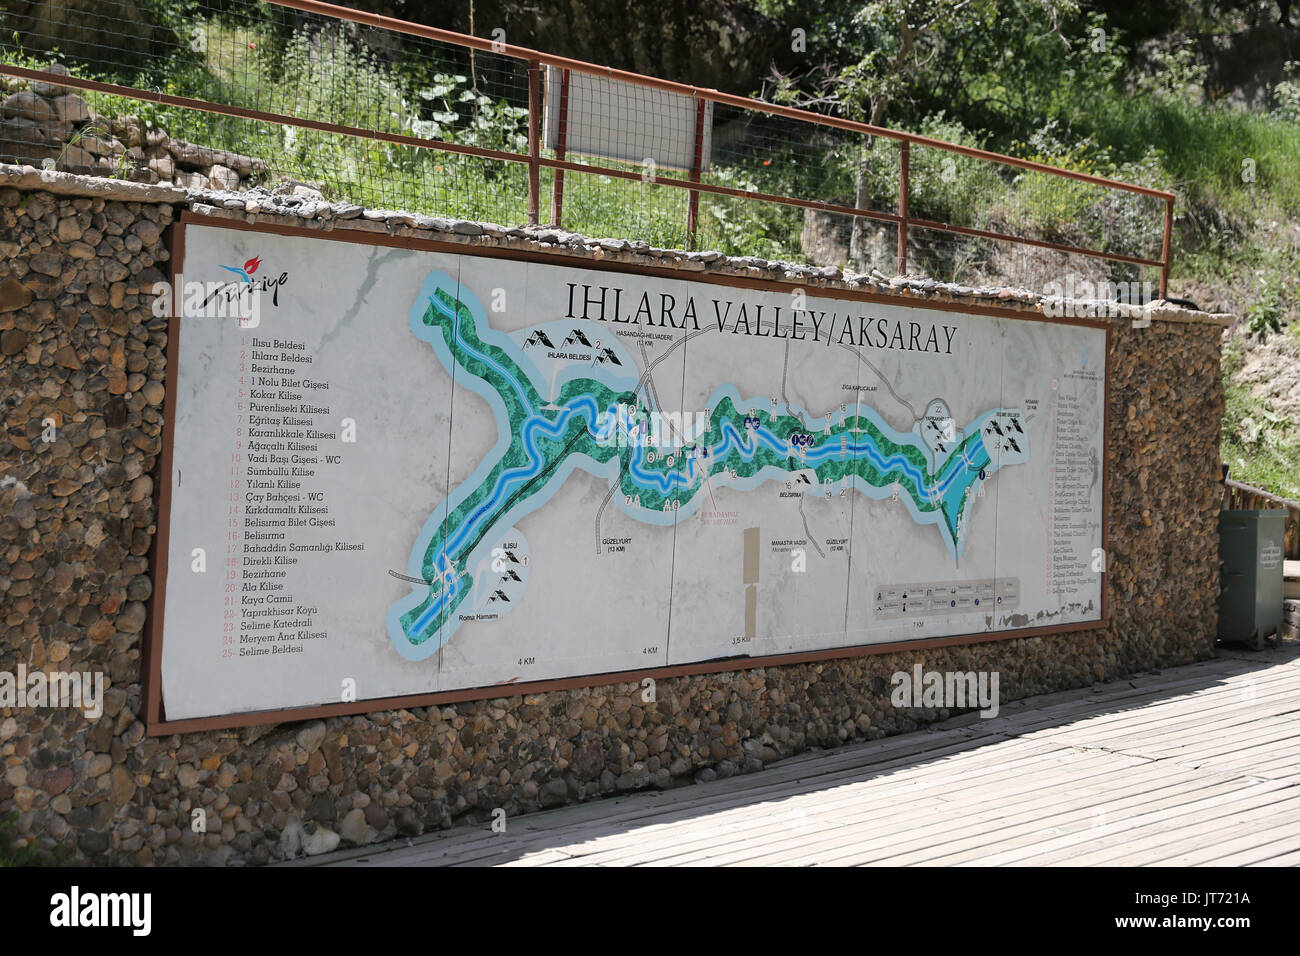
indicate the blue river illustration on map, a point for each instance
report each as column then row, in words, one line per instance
column 597, row 421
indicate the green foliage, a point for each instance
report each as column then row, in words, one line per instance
column 1172, row 73
column 121, row 165
column 992, row 63
column 1212, row 151
column 1287, row 94
column 1267, row 313
column 985, row 61
column 739, row 227
column 1057, row 206
column 604, row 206
column 1260, row 447
column 949, row 187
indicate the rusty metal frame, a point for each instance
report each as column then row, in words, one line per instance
column 561, row 150
column 534, row 138
column 904, row 193
column 154, row 706
column 697, row 164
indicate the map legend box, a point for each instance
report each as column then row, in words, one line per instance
column 924, row 599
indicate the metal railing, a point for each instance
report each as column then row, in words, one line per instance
column 786, row 128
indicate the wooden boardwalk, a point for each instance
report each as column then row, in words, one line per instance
column 1194, row 765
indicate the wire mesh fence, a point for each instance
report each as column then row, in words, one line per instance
column 233, row 94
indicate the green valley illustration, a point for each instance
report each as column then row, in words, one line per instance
column 605, row 422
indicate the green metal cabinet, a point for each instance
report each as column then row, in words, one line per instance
column 1250, row 555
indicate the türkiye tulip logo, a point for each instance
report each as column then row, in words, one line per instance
column 238, row 298
column 245, row 272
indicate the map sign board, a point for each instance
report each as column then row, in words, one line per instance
column 422, row 471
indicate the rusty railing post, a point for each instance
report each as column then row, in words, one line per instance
column 1166, row 249
column 534, row 138
column 693, row 203
column 561, row 145
column 904, row 188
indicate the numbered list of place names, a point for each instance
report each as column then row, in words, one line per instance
column 1076, row 484
column 280, row 526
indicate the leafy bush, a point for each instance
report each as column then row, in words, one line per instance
column 950, row 187
column 1287, row 94
column 1261, row 447
column 1266, row 314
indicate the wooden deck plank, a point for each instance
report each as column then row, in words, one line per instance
column 1242, row 846
column 664, row 818
column 1212, row 719
column 1287, row 859
column 1031, row 809
column 651, row 813
column 1055, row 806
column 1075, row 836
column 1136, row 692
column 1194, row 765
column 961, row 835
column 822, row 818
column 913, row 744
column 728, row 819
column 731, row 836
column 1136, row 839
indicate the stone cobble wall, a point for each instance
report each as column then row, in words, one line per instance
column 43, row 123
column 80, row 348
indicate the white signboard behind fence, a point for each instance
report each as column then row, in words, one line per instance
column 615, row 120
